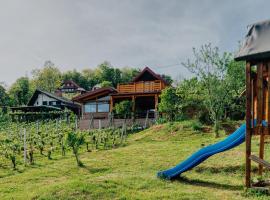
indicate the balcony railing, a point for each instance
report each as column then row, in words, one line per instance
column 143, row 86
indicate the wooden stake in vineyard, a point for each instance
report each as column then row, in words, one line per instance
column 24, row 146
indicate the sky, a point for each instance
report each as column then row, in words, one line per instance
column 80, row 34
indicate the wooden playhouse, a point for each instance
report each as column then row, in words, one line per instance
column 255, row 51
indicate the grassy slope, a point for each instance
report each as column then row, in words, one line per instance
column 130, row 172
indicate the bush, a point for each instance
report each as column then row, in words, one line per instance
column 196, row 126
column 161, row 120
column 124, row 108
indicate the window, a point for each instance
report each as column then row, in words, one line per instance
column 90, row 107
column 52, row 103
column 103, row 107
column 45, row 103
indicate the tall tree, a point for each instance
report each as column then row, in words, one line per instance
column 4, row 98
column 127, row 74
column 169, row 103
column 20, row 91
column 210, row 66
column 90, row 77
column 48, row 78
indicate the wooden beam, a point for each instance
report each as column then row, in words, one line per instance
column 133, row 103
column 259, row 93
column 268, row 95
column 156, row 102
column 260, row 110
column 260, row 161
column 111, row 103
column 248, row 123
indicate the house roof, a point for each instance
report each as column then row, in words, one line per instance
column 62, row 99
column 148, row 70
column 256, row 44
column 73, row 83
column 70, row 82
column 35, row 108
column 95, row 93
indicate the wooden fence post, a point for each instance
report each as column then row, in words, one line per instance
column 24, row 146
column 99, row 124
column 146, row 119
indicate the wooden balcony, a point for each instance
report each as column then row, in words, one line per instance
column 143, row 86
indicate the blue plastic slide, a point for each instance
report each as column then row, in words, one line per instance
column 198, row 157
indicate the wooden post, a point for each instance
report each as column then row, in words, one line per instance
column 133, row 103
column 91, row 118
column 146, row 119
column 24, row 146
column 99, row 124
column 111, row 104
column 268, row 96
column 248, row 123
column 156, row 102
column 76, row 122
column 260, row 108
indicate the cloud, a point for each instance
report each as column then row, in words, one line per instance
column 82, row 34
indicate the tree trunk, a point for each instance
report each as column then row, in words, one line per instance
column 216, row 127
column 75, row 152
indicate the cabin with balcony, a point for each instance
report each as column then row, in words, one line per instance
column 143, row 91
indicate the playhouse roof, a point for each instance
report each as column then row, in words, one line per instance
column 257, row 42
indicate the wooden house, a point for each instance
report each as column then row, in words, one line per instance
column 69, row 88
column 45, row 102
column 143, row 91
column 95, row 102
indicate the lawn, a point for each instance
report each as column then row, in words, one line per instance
column 129, row 172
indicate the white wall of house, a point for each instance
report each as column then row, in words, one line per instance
column 41, row 98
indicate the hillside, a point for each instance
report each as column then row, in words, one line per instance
column 129, row 172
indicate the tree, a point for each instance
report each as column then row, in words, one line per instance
column 210, row 66
column 168, row 103
column 124, row 108
column 106, row 84
column 4, row 98
column 75, row 141
column 105, row 72
column 167, row 78
column 191, row 95
column 127, row 74
column 235, row 109
column 90, row 77
column 48, row 78
column 20, row 91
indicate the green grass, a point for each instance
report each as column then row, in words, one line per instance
column 129, row 172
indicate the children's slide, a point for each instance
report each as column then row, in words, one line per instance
column 198, row 157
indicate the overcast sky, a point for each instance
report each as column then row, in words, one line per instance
column 78, row 34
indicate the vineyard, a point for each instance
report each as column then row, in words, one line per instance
column 21, row 143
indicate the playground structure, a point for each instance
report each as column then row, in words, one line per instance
column 256, row 53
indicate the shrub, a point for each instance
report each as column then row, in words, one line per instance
column 75, row 141
column 196, row 126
